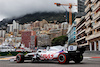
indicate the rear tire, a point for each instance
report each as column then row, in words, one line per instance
column 20, row 58
column 78, row 59
column 63, row 58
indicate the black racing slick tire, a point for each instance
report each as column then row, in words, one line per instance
column 78, row 59
column 63, row 58
column 20, row 58
column 32, row 60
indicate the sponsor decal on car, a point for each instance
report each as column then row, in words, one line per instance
column 47, row 55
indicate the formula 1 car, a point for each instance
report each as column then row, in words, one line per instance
column 58, row 53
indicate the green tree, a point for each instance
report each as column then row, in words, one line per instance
column 59, row 40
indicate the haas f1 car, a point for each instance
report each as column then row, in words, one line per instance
column 58, row 53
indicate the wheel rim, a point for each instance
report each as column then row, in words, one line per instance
column 61, row 58
column 18, row 58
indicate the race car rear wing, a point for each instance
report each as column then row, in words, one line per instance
column 75, row 48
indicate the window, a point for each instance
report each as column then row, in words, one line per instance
column 98, row 30
column 92, row 7
column 93, row 15
column 74, row 28
column 74, row 33
column 93, row 23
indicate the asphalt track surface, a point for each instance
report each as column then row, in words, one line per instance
column 84, row 63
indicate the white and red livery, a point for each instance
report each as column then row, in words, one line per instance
column 59, row 53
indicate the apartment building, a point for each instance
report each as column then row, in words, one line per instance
column 93, row 24
column 72, row 31
column 39, row 25
column 72, row 34
column 50, row 26
column 14, row 28
column 27, row 26
column 81, row 6
column 9, row 28
column 80, row 32
column 29, row 38
column 64, row 28
column 43, row 40
column 42, row 23
column 2, row 32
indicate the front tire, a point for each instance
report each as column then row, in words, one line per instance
column 33, row 60
column 63, row 58
column 20, row 58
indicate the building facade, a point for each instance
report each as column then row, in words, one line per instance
column 80, row 32
column 2, row 33
column 29, row 38
column 9, row 28
column 39, row 25
column 43, row 40
column 93, row 24
column 81, row 6
column 64, row 28
column 72, row 34
column 26, row 26
column 14, row 28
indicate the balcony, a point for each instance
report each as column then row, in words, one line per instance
column 87, row 8
column 96, row 16
column 97, row 6
column 96, row 25
column 88, row 30
column 81, row 38
column 87, row 15
column 80, row 32
column 86, row 2
column 80, row 26
column 94, row 1
column 83, row 44
column 88, row 22
column 93, row 36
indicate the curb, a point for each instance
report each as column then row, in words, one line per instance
column 8, row 58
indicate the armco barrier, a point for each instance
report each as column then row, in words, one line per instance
column 11, row 53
